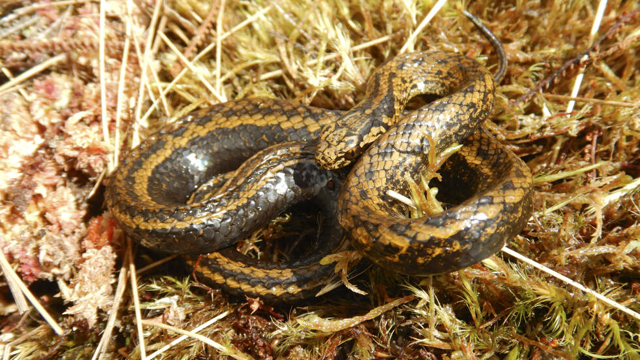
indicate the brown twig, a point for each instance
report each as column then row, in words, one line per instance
column 589, row 100
column 57, row 46
column 577, row 59
column 201, row 31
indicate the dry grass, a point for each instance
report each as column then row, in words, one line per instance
column 70, row 103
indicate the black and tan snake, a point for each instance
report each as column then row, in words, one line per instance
column 278, row 146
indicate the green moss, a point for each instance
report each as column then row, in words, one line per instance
column 586, row 165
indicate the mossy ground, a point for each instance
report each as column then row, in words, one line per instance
column 62, row 127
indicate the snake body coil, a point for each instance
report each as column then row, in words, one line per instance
column 462, row 235
column 156, row 194
column 149, row 191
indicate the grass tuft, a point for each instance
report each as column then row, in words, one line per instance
column 60, row 132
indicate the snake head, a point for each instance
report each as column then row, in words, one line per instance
column 337, row 148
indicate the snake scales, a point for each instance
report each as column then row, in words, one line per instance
column 166, row 193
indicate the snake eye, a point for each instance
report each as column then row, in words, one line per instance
column 351, row 154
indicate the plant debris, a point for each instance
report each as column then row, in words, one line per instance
column 72, row 104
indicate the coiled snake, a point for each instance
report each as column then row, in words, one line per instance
column 166, row 193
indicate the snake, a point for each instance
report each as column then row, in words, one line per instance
column 167, row 193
